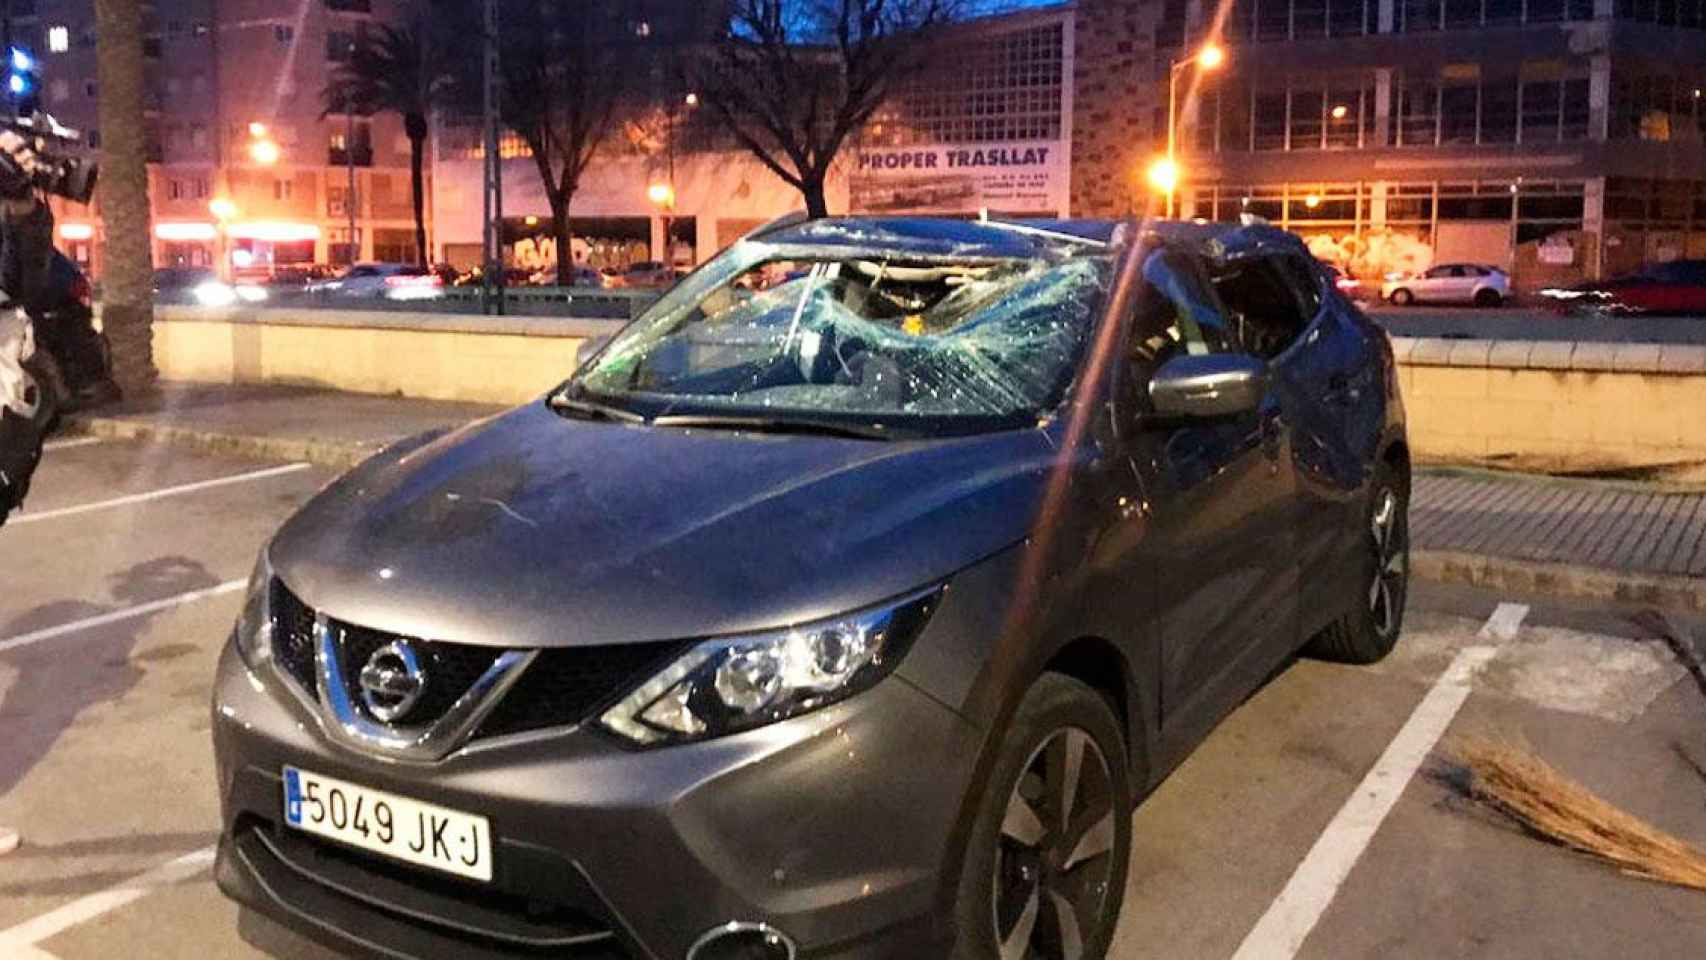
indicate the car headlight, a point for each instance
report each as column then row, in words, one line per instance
column 253, row 636
column 731, row 684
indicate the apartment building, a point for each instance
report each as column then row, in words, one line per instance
column 244, row 164
column 1558, row 138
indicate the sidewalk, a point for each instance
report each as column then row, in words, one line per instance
column 1616, row 541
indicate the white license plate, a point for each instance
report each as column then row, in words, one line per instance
column 409, row 830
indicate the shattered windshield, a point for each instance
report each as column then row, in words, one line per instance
column 935, row 342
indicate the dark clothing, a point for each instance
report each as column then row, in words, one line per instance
column 26, row 250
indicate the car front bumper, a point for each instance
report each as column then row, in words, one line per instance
column 833, row 828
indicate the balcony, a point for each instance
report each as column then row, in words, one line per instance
column 337, row 157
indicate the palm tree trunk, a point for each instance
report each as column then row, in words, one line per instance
column 416, row 128
column 127, row 309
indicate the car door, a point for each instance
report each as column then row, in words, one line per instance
column 1221, row 498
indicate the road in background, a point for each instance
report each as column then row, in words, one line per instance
column 1523, row 323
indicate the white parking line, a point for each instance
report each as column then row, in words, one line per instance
column 21, row 940
column 1280, row 933
column 158, row 494
column 115, row 616
column 71, row 444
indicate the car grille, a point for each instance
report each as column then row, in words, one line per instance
column 562, row 687
column 293, row 637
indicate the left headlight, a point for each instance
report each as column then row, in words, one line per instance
column 253, row 635
column 731, row 684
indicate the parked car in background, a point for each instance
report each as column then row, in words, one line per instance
column 386, row 281
column 1457, row 283
column 65, row 330
column 202, row 286
column 645, row 274
column 847, row 617
column 1677, row 287
column 579, row 276
column 1346, row 284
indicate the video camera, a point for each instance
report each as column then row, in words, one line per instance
column 56, row 171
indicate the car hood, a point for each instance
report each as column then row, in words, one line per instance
column 530, row 529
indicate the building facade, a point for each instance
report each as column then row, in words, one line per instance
column 225, row 76
column 987, row 127
column 1557, row 138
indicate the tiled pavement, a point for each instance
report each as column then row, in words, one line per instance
column 1577, row 522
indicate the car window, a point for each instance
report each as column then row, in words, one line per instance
column 1305, row 280
column 1265, row 310
column 1178, row 311
column 362, row 272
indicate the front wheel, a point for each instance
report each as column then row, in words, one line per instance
column 1045, row 869
column 1402, row 297
column 1368, row 633
column 1488, row 298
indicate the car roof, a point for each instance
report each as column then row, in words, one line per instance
column 1018, row 238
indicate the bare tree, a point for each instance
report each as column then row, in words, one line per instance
column 792, row 80
column 127, row 305
column 567, row 71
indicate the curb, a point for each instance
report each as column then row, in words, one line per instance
column 337, row 454
column 1664, row 592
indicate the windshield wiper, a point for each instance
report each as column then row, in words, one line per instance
column 773, row 425
column 563, row 403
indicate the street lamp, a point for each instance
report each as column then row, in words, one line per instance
column 1210, row 57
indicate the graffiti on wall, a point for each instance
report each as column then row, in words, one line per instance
column 1373, row 253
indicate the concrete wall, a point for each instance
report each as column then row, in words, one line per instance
column 1545, row 406
column 1557, row 406
column 479, row 359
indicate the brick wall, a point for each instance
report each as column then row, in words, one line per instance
column 1114, row 106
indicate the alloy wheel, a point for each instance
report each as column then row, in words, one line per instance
column 1391, row 559
column 1056, row 851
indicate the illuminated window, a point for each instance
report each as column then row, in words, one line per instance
column 58, row 39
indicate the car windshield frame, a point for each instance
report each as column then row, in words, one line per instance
column 674, row 311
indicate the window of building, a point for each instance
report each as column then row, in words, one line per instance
column 339, row 45
column 175, row 189
column 1004, row 86
column 89, row 89
column 1418, row 16
column 1347, row 107
column 1346, row 18
column 1458, row 104
column 1500, row 12
column 58, row 39
column 86, row 38
column 151, row 48
column 281, row 189
column 58, row 90
column 337, row 201
column 1170, row 29
column 1273, row 20
column 1418, row 112
column 1485, row 201
column 1542, row 111
column 1308, row 18
column 283, row 32
column 1577, row 109
column 1498, row 110
column 1308, row 106
column 1269, row 120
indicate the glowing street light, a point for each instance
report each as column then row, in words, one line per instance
column 1211, row 56
column 257, row 129
column 1340, row 111
column 662, row 195
column 1312, row 201
column 1164, row 177
column 264, row 152
column 222, row 208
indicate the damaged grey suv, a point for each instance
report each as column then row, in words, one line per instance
column 844, row 605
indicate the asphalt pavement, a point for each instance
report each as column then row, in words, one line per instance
column 1526, row 323
column 1317, row 821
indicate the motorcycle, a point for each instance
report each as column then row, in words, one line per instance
column 27, row 408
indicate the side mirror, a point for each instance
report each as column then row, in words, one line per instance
column 1208, row 385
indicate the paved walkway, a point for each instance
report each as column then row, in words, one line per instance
column 1583, row 523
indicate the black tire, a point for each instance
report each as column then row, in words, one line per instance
column 1402, row 297
column 1080, row 858
column 1488, row 298
column 1368, row 633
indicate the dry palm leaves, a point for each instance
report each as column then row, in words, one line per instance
column 1525, row 788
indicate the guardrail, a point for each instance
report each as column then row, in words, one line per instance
column 585, row 303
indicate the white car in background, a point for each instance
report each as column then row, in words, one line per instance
column 387, row 281
column 1472, row 283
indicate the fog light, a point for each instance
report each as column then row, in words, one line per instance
column 742, row 941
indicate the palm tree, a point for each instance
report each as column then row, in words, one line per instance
column 394, row 70
column 127, row 307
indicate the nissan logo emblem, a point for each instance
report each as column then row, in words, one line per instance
column 392, row 681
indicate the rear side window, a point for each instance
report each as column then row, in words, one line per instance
column 1264, row 305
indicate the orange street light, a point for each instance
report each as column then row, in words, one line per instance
column 264, row 152
column 257, row 129
column 1210, row 57
column 1164, row 177
column 1340, row 111
column 661, row 195
column 222, row 208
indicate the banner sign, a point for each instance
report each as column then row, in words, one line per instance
column 1022, row 177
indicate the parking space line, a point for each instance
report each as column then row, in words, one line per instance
column 26, row 935
column 71, row 444
column 116, row 616
column 1280, row 933
column 159, row 494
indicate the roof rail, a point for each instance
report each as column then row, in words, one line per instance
column 785, row 220
column 1029, row 230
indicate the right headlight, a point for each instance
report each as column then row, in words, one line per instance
column 253, row 636
column 730, row 684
